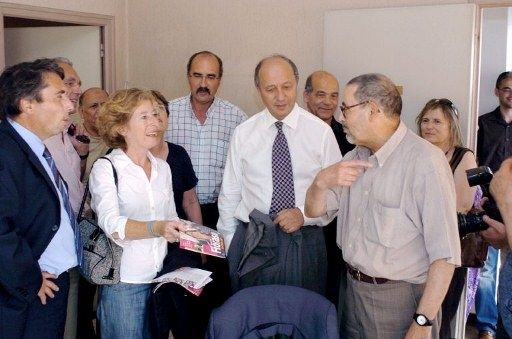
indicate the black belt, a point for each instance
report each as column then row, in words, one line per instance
column 360, row 276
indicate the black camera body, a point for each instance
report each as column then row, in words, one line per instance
column 473, row 221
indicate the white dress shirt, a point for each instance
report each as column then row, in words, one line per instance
column 247, row 182
column 137, row 198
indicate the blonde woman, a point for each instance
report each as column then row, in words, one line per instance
column 139, row 213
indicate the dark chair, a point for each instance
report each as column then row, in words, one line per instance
column 271, row 311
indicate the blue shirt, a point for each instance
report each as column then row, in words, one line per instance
column 60, row 254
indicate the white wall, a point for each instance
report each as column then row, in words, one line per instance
column 425, row 49
column 115, row 8
column 494, row 55
column 163, row 34
column 80, row 44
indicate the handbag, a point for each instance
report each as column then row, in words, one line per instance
column 101, row 259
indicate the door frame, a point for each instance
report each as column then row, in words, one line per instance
column 105, row 22
column 475, row 87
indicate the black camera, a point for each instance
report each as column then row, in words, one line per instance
column 473, row 221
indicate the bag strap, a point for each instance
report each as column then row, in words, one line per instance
column 457, row 156
column 86, row 191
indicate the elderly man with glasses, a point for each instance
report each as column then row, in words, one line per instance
column 396, row 223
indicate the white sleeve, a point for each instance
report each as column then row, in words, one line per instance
column 331, row 154
column 104, row 199
column 230, row 193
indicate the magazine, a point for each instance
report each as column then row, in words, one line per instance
column 202, row 239
column 192, row 279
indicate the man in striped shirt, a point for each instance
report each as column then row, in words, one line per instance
column 203, row 124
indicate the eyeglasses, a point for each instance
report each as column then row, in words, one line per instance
column 344, row 108
column 506, row 90
column 199, row 76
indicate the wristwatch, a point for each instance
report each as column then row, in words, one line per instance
column 422, row 320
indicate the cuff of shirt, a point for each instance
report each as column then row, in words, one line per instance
column 119, row 227
column 319, row 221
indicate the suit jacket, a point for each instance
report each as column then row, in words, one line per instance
column 266, row 311
column 29, row 218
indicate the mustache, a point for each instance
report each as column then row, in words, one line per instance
column 203, row 89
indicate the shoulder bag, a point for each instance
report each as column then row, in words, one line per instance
column 101, row 256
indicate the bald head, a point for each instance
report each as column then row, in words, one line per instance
column 90, row 103
column 321, row 95
column 276, row 79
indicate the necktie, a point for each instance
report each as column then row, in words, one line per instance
column 65, row 199
column 283, row 194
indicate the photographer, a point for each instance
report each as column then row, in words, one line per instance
column 499, row 235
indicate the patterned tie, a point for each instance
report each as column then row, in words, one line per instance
column 65, row 199
column 283, row 194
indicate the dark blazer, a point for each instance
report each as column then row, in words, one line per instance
column 29, row 218
column 266, row 311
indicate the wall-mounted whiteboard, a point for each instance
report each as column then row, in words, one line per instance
column 426, row 49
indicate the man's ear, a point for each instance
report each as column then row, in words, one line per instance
column 25, row 105
column 496, row 92
column 305, row 97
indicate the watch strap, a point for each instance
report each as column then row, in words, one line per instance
column 419, row 318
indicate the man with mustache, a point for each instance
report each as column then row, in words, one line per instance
column 203, row 124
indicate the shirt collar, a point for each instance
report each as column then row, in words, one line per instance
column 208, row 112
column 387, row 149
column 291, row 120
column 30, row 138
column 122, row 160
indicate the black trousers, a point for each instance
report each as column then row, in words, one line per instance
column 220, row 286
column 85, row 310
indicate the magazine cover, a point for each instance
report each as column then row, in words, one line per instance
column 192, row 279
column 202, row 239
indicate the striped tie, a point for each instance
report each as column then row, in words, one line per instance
column 65, row 199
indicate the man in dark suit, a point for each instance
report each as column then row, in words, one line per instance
column 37, row 244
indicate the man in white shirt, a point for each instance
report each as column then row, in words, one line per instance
column 248, row 177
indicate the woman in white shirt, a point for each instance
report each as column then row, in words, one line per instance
column 138, row 214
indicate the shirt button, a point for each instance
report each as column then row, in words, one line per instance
column 55, row 228
column 366, row 192
column 358, row 219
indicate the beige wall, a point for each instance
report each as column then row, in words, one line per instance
column 162, row 37
column 115, row 8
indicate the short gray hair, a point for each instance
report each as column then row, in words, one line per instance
column 63, row 60
column 380, row 89
column 274, row 56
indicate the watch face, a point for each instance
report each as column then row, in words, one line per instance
column 421, row 319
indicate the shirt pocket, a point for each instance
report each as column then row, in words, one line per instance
column 391, row 227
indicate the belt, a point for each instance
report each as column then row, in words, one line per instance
column 360, row 276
